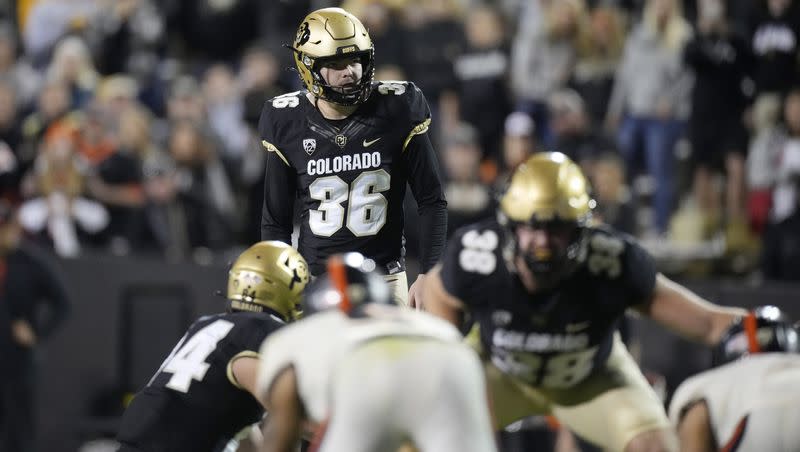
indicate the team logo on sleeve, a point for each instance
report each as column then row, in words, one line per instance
column 310, row 145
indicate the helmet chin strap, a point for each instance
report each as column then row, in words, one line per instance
column 562, row 265
column 545, row 278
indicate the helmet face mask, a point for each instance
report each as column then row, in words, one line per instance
column 545, row 210
column 268, row 275
column 550, row 250
column 328, row 35
column 765, row 329
column 350, row 283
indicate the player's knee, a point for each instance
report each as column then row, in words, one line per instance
column 653, row 441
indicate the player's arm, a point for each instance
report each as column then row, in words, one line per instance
column 438, row 301
column 280, row 186
column 681, row 310
column 425, row 181
column 284, row 425
column 243, row 371
column 428, row 190
column 694, row 429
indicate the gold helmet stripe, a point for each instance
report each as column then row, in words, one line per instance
column 271, row 148
column 418, row 130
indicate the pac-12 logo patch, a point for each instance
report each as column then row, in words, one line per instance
column 310, row 145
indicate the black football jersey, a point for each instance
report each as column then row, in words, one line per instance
column 557, row 337
column 349, row 175
column 190, row 404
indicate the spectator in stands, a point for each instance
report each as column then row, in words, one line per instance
column 436, row 33
column 164, row 223
column 16, row 69
column 96, row 134
column 721, row 61
column 572, row 130
column 52, row 104
column 651, row 98
column 763, row 159
column 72, row 64
column 10, row 174
column 468, row 199
column 386, row 31
column 57, row 209
column 519, row 140
column 775, row 29
column 116, row 93
column 599, row 54
column 783, row 154
column 27, row 284
column 182, row 103
column 781, row 255
column 48, row 21
column 482, row 72
column 259, row 78
column 542, row 59
column 117, row 179
column 614, row 203
column 204, row 193
column 196, row 27
column 225, row 110
column 127, row 34
column 10, row 127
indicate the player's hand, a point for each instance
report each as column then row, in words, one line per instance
column 415, row 293
column 23, row 333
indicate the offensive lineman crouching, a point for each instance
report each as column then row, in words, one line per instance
column 546, row 288
column 202, row 394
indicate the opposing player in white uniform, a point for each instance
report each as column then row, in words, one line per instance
column 370, row 376
column 747, row 404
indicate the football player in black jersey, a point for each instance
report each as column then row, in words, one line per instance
column 203, row 393
column 347, row 146
column 546, row 288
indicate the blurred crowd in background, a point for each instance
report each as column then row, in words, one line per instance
column 130, row 126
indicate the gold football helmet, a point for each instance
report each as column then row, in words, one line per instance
column 269, row 274
column 330, row 34
column 548, row 192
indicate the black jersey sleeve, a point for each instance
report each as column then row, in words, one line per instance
column 425, row 180
column 619, row 260
column 641, row 272
column 471, row 262
column 280, row 182
column 251, row 330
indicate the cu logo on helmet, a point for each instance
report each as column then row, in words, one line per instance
column 303, row 34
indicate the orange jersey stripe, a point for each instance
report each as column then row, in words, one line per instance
column 736, row 439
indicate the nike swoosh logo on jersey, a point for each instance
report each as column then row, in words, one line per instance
column 370, row 143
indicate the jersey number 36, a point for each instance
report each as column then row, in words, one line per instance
column 366, row 205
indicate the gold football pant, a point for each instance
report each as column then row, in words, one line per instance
column 608, row 408
column 398, row 284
